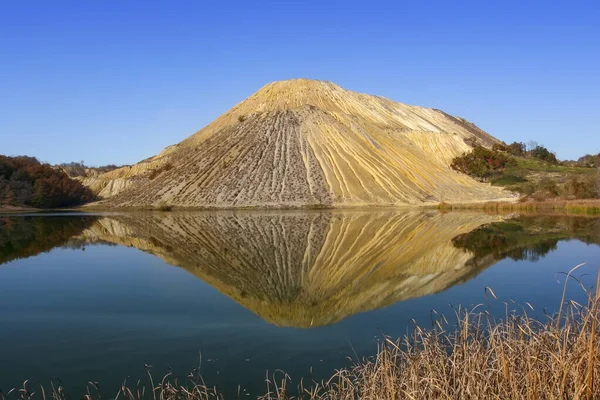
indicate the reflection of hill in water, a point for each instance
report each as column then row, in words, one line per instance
column 307, row 268
column 310, row 268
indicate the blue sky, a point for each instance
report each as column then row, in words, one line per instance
column 117, row 81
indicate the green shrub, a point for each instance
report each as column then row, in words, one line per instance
column 508, row 180
column 526, row 188
column 482, row 163
column 581, row 189
column 516, row 149
column 549, row 186
column 542, row 153
column 499, row 147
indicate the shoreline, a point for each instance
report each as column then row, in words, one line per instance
column 18, row 210
column 589, row 206
column 97, row 206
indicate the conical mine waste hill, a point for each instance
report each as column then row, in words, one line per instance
column 305, row 143
column 307, row 268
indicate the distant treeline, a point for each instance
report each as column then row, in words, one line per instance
column 481, row 162
column 532, row 149
column 588, row 161
column 24, row 181
column 80, row 170
column 81, row 164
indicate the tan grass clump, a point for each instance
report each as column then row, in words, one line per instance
column 560, row 206
column 516, row 357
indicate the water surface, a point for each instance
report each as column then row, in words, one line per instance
column 95, row 297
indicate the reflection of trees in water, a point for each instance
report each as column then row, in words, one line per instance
column 22, row 237
column 527, row 237
column 533, row 253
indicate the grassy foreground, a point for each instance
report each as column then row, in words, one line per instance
column 516, row 357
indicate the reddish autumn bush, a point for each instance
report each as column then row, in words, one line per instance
column 24, row 181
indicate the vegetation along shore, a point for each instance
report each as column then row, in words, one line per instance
column 591, row 206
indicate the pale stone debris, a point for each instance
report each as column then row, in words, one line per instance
column 307, row 143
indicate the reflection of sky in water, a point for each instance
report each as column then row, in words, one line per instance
column 100, row 314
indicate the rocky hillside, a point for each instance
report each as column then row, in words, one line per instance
column 82, row 171
column 98, row 179
column 305, row 143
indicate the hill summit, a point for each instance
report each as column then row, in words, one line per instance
column 307, row 143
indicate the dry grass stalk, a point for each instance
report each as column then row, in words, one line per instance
column 565, row 206
column 516, row 357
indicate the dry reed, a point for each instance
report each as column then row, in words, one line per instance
column 564, row 206
column 515, row 357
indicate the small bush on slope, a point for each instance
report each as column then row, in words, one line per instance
column 482, row 163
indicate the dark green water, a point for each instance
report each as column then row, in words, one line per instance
column 95, row 297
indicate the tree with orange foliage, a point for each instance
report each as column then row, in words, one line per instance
column 28, row 182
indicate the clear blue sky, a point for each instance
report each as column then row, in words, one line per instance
column 116, row 81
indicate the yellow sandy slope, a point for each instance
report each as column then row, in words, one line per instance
column 304, row 143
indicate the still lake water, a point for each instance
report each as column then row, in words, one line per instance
column 95, row 297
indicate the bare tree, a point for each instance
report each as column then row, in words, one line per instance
column 532, row 144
